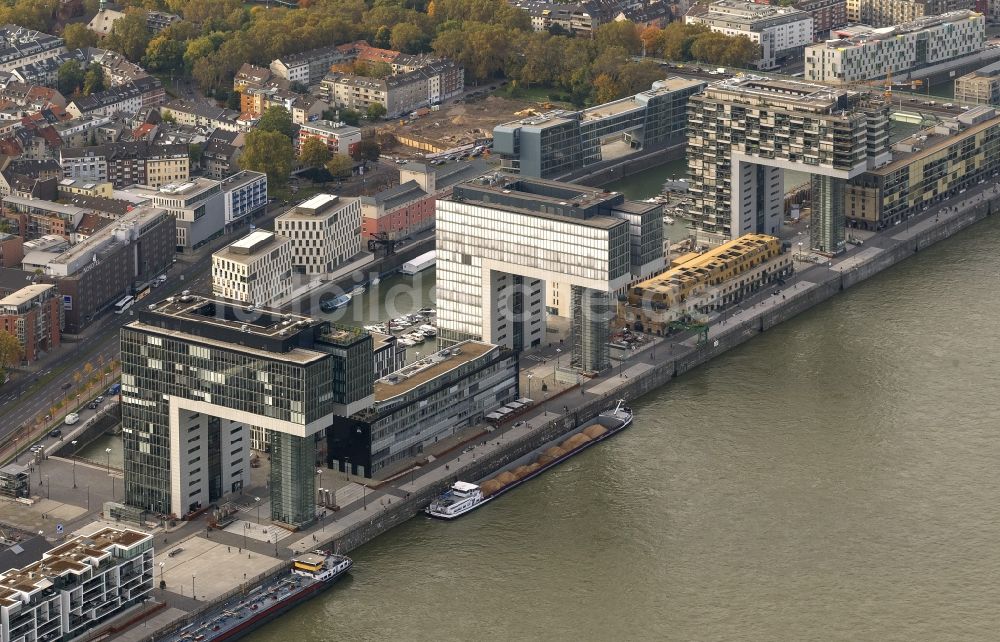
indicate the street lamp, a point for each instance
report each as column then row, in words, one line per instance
column 48, row 488
column 529, row 385
column 364, row 496
column 319, row 472
column 192, row 588
column 162, row 564
column 108, row 451
column 257, row 499
column 74, row 462
column 246, row 527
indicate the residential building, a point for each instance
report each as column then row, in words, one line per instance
column 307, row 67
column 400, row 93
column 76, row 586
column 252, row 76
column 501, row 240
column 11, row 250
column 256, row 100
column 337, row 137
column 198, row 207
column 97, row 272
column 558, row 143
column 127, row 163
column 157, row 21
column 198, row 372
column 577, row 19
column 886, row 13
column 927, row 167
column 707, row 282
column 744, row 133
column 864, row 53
column 245, row 195
column 33, row 314
column 38, row 217
column 257, row 269
column 388, row 354
column 826, row 15
column 220, row 154
column 105, row 19
column 21, row 46
column 69, row 187
column 981, row 86
column 120, row 99
column 781, row 32
column 197, row 114
column 325, row 232
column 438, row 396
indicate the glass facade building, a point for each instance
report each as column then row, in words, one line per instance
column 198, row 373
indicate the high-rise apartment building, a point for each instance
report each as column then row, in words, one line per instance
column 745, row 131
column 199, row 373
column 885, row 13
column 33, row 314
column 500, row 240
column 861, row 53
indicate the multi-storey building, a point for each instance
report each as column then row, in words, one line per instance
column 744, row 132
column 981, row 86
column 400, row 93
column 780, row 31
column 307, row 67
column 414, row 407
column 388, row 354
column 927, row 167
column 826, row 14
column 338, row 137
column 125, row 99
column 707, row 282
column 863, row 53
column 97, row 272
column 325, row 232
column 11, row 250
column 127, row 163
column 577, row 19
column 157, row 21
column 886, row 13
column 197, row 114
column 220, row 156
column 302, row 108
column 197, row 373
column 20, row 46
column 33, row 314
column 245, row 195
column 257, row 269
column 76, row 586
column 559, row 142
column 501, row 240
column 198, row 207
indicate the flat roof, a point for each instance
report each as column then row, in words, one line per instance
column 318, row 201
column 26, row 294
column 252, row 246
column 428, row 368
column 933, row 142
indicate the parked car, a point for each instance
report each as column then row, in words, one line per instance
column 92, row 405
column 99, row 399
column 55, row 433
column 72, row 418
column 67, row 385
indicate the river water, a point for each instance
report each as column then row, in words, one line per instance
column 833, row 479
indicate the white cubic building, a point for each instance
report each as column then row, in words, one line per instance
column 325, row 232
column 76, row 586
column 257, row 269
column 865, row 53
column 780, row 31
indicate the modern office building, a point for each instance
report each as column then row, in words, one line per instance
column 929, row 166
column 198, row 373
column 76, row 586
column 256, row 269
column 885, row 13
column 745, row 131
column 245, row 197
column 501, row 240
column 414, row 407
column 862, row 53
column 981, row 86
column 388, row 353
column 558, row 142
column 198, row 207
column 781, row 32
column 325, row 232
column 706, row 282
column 33, row 314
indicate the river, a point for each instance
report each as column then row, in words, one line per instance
column 833, row 479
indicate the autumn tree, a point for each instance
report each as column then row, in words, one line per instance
column 78, row 36
column 164, row 53
column 366, row 150
column 409, row 38
column 269, row 152
column 129, row 35
column 10, row 351
column 340, row 166
column 93, row 79
column 622, row 34
column 70, row 77
column 314, row 153
column 277, row 119
column 375, row 111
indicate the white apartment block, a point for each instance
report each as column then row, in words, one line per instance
column 865, row 53
column 245, row 195
column 325, row 232
column 76, row 586
column 778, row 30
column 257, row 269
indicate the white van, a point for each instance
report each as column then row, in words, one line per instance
column 72, row 418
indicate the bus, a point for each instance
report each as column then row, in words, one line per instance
column 124, row 304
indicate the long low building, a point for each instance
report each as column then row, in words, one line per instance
column 422, row 403
column 707, row 282
column 981, row 86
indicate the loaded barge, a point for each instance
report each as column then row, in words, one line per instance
column 464, row 497
column 311, row 574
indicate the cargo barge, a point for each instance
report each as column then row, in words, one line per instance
column 464, row 497
column 311, row 574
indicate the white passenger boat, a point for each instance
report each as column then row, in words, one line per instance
column 460, row 499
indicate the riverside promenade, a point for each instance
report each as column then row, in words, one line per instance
column 367, row 510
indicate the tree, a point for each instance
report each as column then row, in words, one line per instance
column 78, row 36
column 366, row 150
column 277, row 119
column 269, row 152
column 409, row 38
column 340, row 166
column 70, row 77
column 314, row 153
column 195, row 151
column 164, row 54
column 383, row 37
column 129, row 35
column 10, row 351
column 375, row 111
column 93, row 80
column 618, row 34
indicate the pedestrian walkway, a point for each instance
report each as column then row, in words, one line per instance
column 614, row 381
